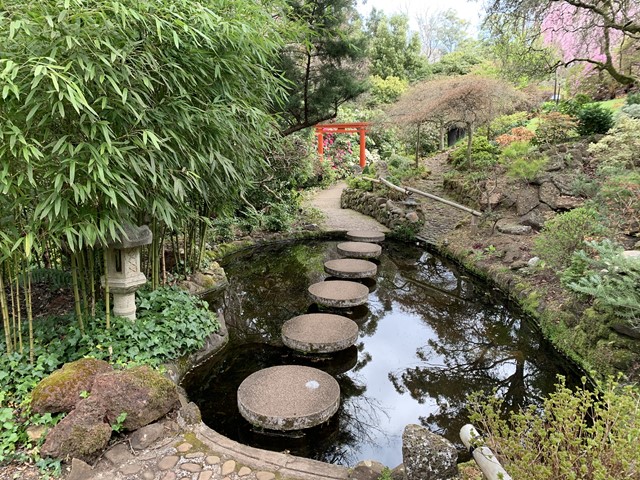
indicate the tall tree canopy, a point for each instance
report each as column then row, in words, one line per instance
column 441, row 32
column 323, row 63
column 596, row 32
column 393, row 50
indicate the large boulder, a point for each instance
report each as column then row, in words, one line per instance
column 549, row 194
column 60, row 391
column 527, row 199
column 142, row 393
column 427, row 456
column 81, row 434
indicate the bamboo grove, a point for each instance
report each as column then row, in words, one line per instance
column 123, row 112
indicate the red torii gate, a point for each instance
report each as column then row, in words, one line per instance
column 356, row 127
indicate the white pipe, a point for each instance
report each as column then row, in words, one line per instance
column 484, row 457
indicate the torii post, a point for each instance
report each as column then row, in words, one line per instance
column 356, row 127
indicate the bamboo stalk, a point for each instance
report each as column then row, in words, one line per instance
column 92, row 280
column 82, row 270
column 14, row 294
column 27, row 301
column 76, row 293
column 19, row 315
column 5, row 314
column 107, row 300
column 203, row 236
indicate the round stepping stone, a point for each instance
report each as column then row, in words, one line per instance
column 339, row 293
column 365, row 236
column 319, row 333
column 288, row 397
column 350, row 268
column 359, row 249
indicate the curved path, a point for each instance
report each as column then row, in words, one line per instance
column 341, row 219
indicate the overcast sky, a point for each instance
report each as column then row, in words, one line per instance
column 468, row 10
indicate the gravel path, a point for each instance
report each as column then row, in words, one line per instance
column 440, row 218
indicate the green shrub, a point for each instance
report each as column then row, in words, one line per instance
column 619, row 149
column 484, row 154
column 504, row 123
column 594, row 119
column 564, row 234
column 633, row 110
column 386, row 90
column 633, row 99
column 611, row 279
column 521, row 163
column 360, row 183
column 555, row 127
column 619, row 199
column 576, row 433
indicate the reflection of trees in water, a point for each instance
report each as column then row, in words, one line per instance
column 477, row 345
column 359, row 419
column 268, row 287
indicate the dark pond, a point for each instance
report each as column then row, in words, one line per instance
column 429, row 335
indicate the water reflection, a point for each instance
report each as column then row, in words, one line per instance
column 429, row 336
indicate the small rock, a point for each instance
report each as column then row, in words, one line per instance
column 131, row 469
column 35, row 432
column 399, row 473
column 244, row 471
column 212, row 460
column 148, row 475
column 169, row 476
column 145, row 436
column 184, row 447
column 191, row 467
column 228, row 467
column 168, row 462
column 80, row 470
column 513, row 229
column 194, row 455
column 566, row 202
column 118, row 454
column 190, row 413
column 427, row 456
column 533, row 262
column 367, row 470
column 518, row 264
column 205, row 475
column 265, row 476
column 412, row 217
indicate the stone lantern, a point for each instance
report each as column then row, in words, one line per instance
column 123, row 269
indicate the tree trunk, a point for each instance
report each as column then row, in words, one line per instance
column 469, row 142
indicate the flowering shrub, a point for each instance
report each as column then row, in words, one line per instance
column 340, row 154
column 518, row 134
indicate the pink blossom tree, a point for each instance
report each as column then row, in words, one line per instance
column 596, row 32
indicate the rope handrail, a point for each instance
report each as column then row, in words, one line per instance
column 409, row 190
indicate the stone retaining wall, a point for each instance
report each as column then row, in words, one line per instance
column 391, row 213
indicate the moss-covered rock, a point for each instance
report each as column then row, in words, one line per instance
column 142, row 393
column 82, row 434
column 60, row 391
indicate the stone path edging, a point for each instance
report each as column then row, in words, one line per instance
column 284, row 464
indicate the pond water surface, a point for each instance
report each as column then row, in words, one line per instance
column 429, row 335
